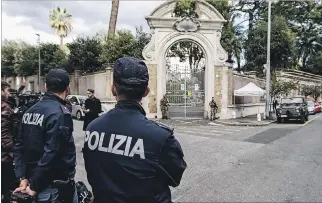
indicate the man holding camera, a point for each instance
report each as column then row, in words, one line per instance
column 129, row 158
column 7, row 168
column 45, row 158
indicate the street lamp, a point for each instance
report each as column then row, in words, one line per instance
column 268, row 63
column 38, row 41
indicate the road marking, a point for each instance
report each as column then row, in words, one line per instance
column 199, row 133
column 309, row 121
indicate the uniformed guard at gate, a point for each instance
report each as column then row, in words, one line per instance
column 129, row 158
column 45, row 149
column 164, row 107
column 213, row 109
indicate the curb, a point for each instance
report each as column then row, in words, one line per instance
column 244, row 124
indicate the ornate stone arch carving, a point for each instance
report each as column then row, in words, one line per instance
column 209, row 24
column 166, row 29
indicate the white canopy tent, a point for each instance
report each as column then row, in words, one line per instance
column 250, row 90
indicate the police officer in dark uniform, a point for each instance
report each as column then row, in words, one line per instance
column 45, row 149
column 129, row 158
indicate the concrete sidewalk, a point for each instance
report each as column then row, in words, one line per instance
column 246, row 121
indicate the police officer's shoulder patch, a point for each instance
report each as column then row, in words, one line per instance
column 168, row 128
column 64, row 109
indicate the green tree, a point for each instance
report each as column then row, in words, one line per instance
column 282, row 46
column 84, row 54
column 314, row 64
column 121, row 45
column 280, row 87
column 185, row 8
column 124, row 44
column 312, row 91
column 8, row 51
column 252, row 11
column 26, row 60
column 141, row 40
column 232, row 32
column 304, row 19
column 60, row 20
column 51, row 57
column 187, row 51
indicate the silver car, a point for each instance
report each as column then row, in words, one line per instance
column 78, row 101
column 311, row 107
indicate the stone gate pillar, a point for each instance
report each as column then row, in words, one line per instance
column 150, row 102
column 223, row 89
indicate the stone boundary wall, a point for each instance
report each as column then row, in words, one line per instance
column 100, row 81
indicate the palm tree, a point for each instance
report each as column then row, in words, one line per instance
column 60, row 20
column 113, row 18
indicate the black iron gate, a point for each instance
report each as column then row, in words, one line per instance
column 185, row 91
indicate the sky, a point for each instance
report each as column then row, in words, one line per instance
column 23, row 19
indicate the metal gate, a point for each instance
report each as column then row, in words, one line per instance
column 185, row 91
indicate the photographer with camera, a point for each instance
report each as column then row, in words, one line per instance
column 7, row 168
column 45, row 156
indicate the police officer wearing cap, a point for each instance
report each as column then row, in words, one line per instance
column 45, row 149
column 129, row 158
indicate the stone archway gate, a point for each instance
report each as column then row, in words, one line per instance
column 204, row 31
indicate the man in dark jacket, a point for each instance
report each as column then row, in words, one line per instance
column 7, row 168
column 92, row 108
column 45, row 148
column 129, row 158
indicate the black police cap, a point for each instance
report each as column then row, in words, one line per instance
column 57, row 77
column 130, row 71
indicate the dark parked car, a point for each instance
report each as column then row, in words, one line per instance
column 292, row 108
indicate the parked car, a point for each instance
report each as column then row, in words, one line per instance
column 292, row 108
column 311, row 107
column 317, row 107
column 77, row 102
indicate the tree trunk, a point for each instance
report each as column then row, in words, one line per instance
column 113, row 18
column 61, row 41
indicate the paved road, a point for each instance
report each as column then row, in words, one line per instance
column 226, row 163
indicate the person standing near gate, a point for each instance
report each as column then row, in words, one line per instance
column 213, row 109
column 92, row 108
column 164, row 107
column 275, row 104
column 129, row 158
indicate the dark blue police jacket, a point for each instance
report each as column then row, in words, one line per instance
column 45, row 148
column 129, row 158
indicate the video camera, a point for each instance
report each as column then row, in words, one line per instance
column 84, row 195
column 20, row 103
column 21, row 198
column 19, row 99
